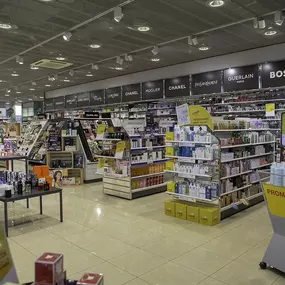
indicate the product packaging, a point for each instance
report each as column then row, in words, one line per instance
column 91, row 279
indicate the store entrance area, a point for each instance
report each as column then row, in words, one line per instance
column 135, row 243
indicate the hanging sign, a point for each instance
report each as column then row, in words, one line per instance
column 71, row 101
column 83, row 99
column 113, row 95
column 152, row 90
column 270, row 110
column 275, row 197
column 177, row 87
column 58, row 103
column 95, row 115
column 97, row 97
column 131, row 93
column 120, row 148
column 183, row 115
column 49, row 105
column 199, row 116
column 273, row 74
column 241, row 78
column 206, row 83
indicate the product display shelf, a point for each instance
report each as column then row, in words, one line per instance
column 243, row 152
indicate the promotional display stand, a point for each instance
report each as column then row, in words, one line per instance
column 274, row 197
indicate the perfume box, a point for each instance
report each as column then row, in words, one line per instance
column 49, row 268
column 91, row 279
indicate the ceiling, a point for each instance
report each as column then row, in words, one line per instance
column 37, row 29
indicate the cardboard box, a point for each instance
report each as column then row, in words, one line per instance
column 209, row 216
column 181, row 211
column 193, row 214
column 91, row 279
column 169, row 208
column 49, row 268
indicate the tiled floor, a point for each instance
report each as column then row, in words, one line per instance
column 134, row 243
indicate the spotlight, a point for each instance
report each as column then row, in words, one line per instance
column 279, row 18
column 51, row 78
column 94, row 45
column 156, row 59
column 118, row 14
column 119, row 60
column 261, row 24
column 270, row 32
column 8, row 90
column 34, row 83
column 128, row 57
column 255, row 23
column 60, row 57
column 143, row 29
column 192, row 41
column 19, row 59
column 216, row 3
column 204, row 48
column 94, row 66
column 67, row 36
column 14, row 73
column 155, row 50
column 33, row 67
column 5, row 26
column 71, row 72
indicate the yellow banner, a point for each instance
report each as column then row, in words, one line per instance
column 275, row 197
column 199, row 116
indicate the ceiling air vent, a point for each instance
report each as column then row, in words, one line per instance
column 50, row 63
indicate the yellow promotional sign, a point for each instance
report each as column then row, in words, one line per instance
column 199, row 116
column 275, row 197
column 169, row 136
column 169, row 165
column 101, row 163
column 169, row 151
column 270, row 110
column 120, row 147
column 101, row 129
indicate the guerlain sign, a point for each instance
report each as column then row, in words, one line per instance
column 131, row 93
column 273, row 74
column 177, row 87
column 83, row 99
column 97, row 97
column 241, row 78
column 206, row 83
column 152, row 90
column 49, row 104
column 113, row 95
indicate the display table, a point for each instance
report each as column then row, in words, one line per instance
column 27, row 196
column 15, row 157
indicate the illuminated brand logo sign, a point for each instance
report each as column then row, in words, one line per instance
column 206, row 83
column 277, row 74
column 131, row 93
column 114, row 95
column 152, row 90
column 97, row 98
column 177, row 87
column 241, row 78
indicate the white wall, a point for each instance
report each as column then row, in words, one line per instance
column 254, row 56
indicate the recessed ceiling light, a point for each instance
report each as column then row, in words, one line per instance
column 32, row 89
column 8, row 90
column 156, row 59
column 5, row 26
column 216, row 3
column 60, row 58
column 15, row 74
column 7, row 103
column 34, row 67
column 1, row 81
column 89, row 74
column 143, row 29
column 270, row 32
column 119, row 68
column 41, row 97
column 30, row 99
column 20, row 101
column 45, row 0
column 204, row 48
column 94, row 45
column 7, row 95
column 18, row 92
column 66, row 80
column 47, row 85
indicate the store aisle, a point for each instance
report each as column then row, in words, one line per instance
column 134, row 243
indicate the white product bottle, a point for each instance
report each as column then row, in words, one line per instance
column 182, row 135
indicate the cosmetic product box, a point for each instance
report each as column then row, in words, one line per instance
column 169, row 208
column 91, row 279
column 193, row 214
column 209, row 216
column 181, row 211
column 49, row 268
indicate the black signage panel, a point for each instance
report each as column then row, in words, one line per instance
column 207, row 83
column 113, row 95
column 273, row 74
column 58, row 103
column 131, row 93
column 83, row 99
column 71, row 101
column 152, row 90
column 177, row 87
column 97, row 97
column 49, row 104
column 95, row 115
column 241, row 78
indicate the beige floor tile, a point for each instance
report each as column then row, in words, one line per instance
column 138, row 281
column 172, row 273
column 202, row 260
column 240, row 273
column 168, row 248
column 211, row 281
column 279, row 281
column 138, row 262
column 108, row 248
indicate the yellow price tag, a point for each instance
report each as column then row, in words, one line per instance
column 101, row 163
column 169, row 165
column 169, row 136
column 270, row 107
column 169, row 150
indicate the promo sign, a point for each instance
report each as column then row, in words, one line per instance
column 83, row 99
column 241, row 78
column 58, row 103
column 177, row 87
column 71, row 101
column 206, row 83
column 97, row 97
column 273, row 74
column 113, row 95
column 152, row 90
column 49, row 105
column 131, row 93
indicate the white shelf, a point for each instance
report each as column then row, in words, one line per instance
column 148, row 147
column 238, row 174
column 263, row 165
column 149, row 162
column 247, row 157
column 189, row 142
column 235, row 190
column 188, row 197
column 238, row 112
column 149, row 187
column 248, row 144
column 188, row 174
column 245, row 130
column 147, row 175
column 248, row 102
column 107, row 139
column 188, row 158
column 102, row 156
